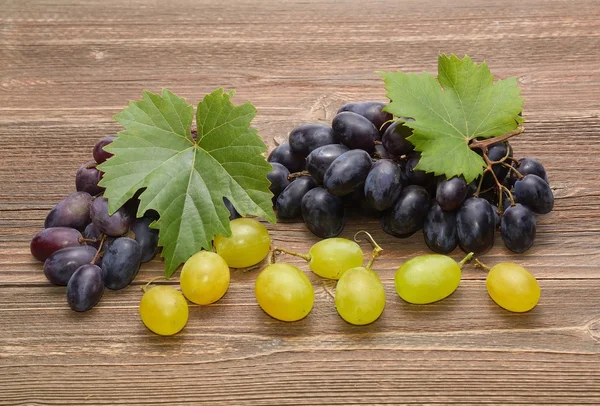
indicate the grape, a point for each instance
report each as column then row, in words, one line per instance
column 416, row 177
column 284, row 155
column 533, row 192
column 518, row 228
column 233, row 214
column 354, row 131
column 394, row 139
column 85, row 288
column 475, row 225
column 323, row 213
column 50, row 240
column 60, row 266
column 284, row 292
column 427, row 278
column 146, row 237
column 121, row 263
column 204, row 278
column 513, row 287
column 73, row 212
column 408, row 213
column 383, row 184
column 379, row 151
column 87, row 178
column 248, row 244
column 279, row 180
column 115, row 225
column 359, row 296
column 91, row 232
column 332, row 257
column 308, row 137
column 440, row 230
column 451, row 193
column 371, row 110
column 532, row 166
column 498, row 151
column 289, row 202
column 100, row 155
column 347, row 172
column 321, row 158
column 164, row 310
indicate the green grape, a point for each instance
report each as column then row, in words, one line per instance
column 204, row 278
column 248, row 245
column 513, row 287
column 331, row 257
column 359, row 296
column 427, row 278
column 164, row 310
column 284, row 292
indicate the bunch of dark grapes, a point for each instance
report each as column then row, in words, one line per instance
column 84, row 248
column 365, row 160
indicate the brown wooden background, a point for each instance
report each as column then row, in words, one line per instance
column 66, row 67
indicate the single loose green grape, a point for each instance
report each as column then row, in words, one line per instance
column 359, row 296
column 248, row 245
column 427, row 278
column 513, row 287
column 330, row 258
column 204, row 278
column 164, row 310
column 284, row 292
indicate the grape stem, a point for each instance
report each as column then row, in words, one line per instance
column 512, row 168
column 376, row 248
column 295, row 175
column 483, row 144
column 466, row 259
column 145, row 287
column 276, row 251
column 102, row 239
column 480, row 264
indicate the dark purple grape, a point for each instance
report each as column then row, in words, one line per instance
column 289, row 201
column 284, row 155
column 73, row 212
column 518, row 228
column 535, row 193
column 371, row 110
column 323, row 213
column 380, row 152
column 308, row 137
column 85, row 288
column 416, row 177
column 440, row 230
column 115, row 225
column 233, row 213
column 100, row 155
column 121, row 263
column 531, row 166
column 354, row 131
column 408, row 213
column 500, row 151
column 395, row 139
column 87, row 178
column 60, row 266
column 347, row 172
column 92, row 232
column 475, row 226
column 146, row 237
column 50, row 240
column 278, row 178
column 321, row 158
column 451, row 193
column 383, row 184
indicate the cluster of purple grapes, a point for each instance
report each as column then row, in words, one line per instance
column 84, row 248
column 364, row 161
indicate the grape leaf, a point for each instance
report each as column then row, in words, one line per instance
column 462, row 104
column 185, row 179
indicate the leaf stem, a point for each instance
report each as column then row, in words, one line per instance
column 376, row 248
column 483, row 144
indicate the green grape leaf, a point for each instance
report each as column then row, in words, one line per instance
column 185, row 179
column 462, row 104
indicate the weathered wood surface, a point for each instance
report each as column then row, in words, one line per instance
column 67, row 66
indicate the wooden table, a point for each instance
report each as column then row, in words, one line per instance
column 68, row 66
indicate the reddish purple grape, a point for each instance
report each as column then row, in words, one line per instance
column 100, row 155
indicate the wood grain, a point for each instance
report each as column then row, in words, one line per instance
column 68, row 66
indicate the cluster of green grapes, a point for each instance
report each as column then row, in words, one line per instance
column 285, row 293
